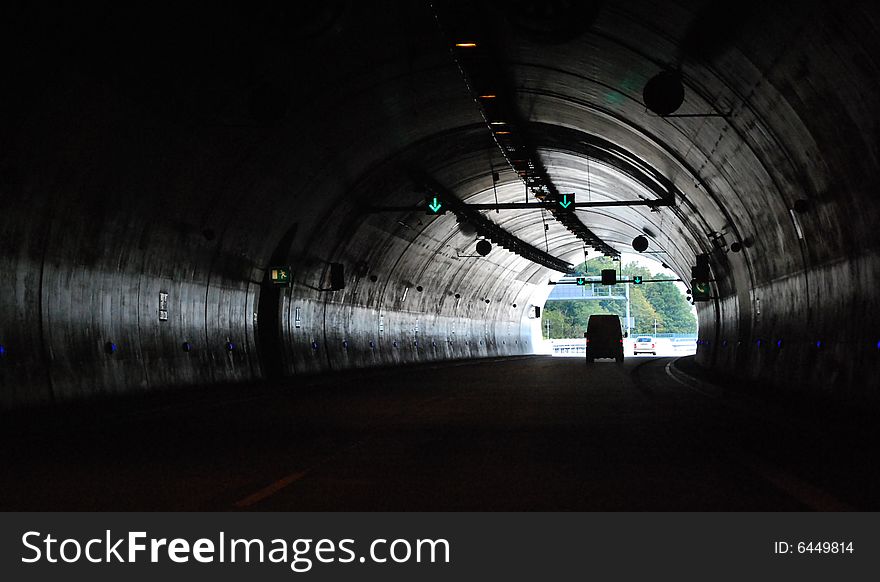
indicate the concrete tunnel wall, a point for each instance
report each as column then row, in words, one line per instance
column 191, row 166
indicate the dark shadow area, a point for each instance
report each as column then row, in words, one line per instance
column 824, row 439
column 533, row 433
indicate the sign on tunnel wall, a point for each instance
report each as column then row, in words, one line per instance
column 280, row 275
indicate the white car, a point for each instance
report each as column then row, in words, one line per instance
column 645, row 345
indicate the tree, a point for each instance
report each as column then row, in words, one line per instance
column 673, row 310
column 660, row 301
column 555, row 321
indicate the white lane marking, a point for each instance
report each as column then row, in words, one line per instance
column 813, row 497
column 269, row 490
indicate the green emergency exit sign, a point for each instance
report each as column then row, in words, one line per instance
column 280, row 275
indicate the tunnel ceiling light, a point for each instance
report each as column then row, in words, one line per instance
column 502, row 133
column 489, row 96
column 497, row 123
column 466, row 45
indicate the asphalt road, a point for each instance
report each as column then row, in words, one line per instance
column 536, row 433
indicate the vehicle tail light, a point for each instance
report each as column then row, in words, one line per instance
column 652, row 346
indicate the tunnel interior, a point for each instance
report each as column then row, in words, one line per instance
column 157, row 166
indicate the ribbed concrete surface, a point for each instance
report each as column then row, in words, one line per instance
column 187, row 155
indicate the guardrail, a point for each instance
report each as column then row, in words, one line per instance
column 579, row 346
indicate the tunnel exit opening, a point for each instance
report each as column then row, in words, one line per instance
column 657, row 314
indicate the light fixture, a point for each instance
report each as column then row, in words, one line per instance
column 664, row 93
column 466, row 44
column 640, row 244
column 488, row 96
column 497, row 123
column 502, row 133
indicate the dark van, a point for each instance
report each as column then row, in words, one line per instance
column 604, row 338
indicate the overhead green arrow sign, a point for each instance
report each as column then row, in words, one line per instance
column 433, row 204
column 565, row 202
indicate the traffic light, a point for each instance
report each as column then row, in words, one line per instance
column 337, row 276
column 700, row 272
column 434, row 206
column 609, row 276
column 637, row 280
column 581, row 280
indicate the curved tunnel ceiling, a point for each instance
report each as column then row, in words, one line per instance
column 246, row 140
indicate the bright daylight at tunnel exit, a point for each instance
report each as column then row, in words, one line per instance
column 441, row 256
